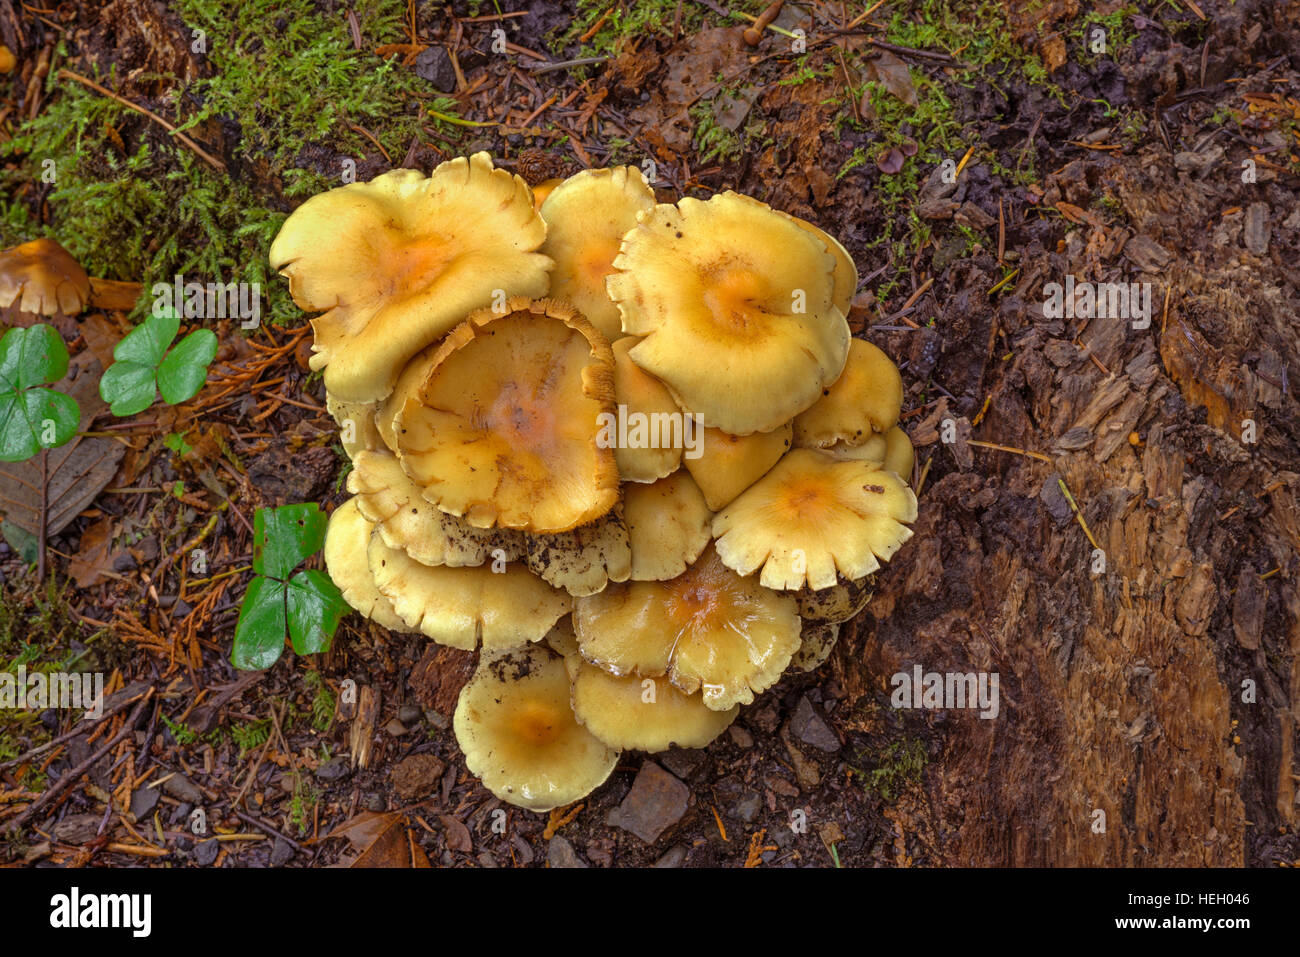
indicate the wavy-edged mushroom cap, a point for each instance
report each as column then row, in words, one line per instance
column 390, row 500
column 728, row 464
column 346, row 539
column 462, row 607
column 504, row 430
column 358, row 430
column 409, row 382
column 517, row 730
column 818, row 641
column 43, row 278
column 586, row 217
column 643, row 714
column 812, row 517
column 866, row 398
column 395, row 263
column 655, row 428
column 668, row 526
column 846, row 270
column 839, row 602
column 585, row 559
column 708, row 630
column 891, row 451
column 736, row 304
column 543, row 190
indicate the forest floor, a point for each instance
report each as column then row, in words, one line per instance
column 1108, row 506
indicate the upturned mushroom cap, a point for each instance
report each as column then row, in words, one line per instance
column 462, row 607
column 846, row 271
column 395, row 263
column 839, row 602
column 358, row 430
column 43, row 278
column 817, row 642
column 517, row 730
column 812, row 517
column 584, row 559
column 586, row 217
column 393, row 503
column 729, row 464
column 346, row 539
column 643, row 714
column 504, row 429
column 866, row 398
column 736, row 304
column 656, row 428
column 708, row 630
column 668, row 526
column 891, row 451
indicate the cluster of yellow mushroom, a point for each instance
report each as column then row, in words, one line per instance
column 626, row 449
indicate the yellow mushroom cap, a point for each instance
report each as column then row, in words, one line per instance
column 358, row 430
column 812, row 517
column 504, row 430
column 643, row 714
column 583, row 559
column 708, row 630
column 346, row 538
column 543, row 189
column 736, row 304
column 409, row 382
column 668, row 526
column 728, row 464
column 837, row 603
column 517, row 730
column 586, row 217
column 462, row 607
column 395, row 263
column 866, row 398
column 891, row 451
column 846, row 271
column 817, row 642
column 43, row 278
column 389, row 499
column 650, row 444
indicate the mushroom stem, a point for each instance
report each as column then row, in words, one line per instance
column 755, row 33
column 114, row 295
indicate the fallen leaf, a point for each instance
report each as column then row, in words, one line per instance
column 93, row 557
column 458, row 836
column 893, row 74
column 379, row 839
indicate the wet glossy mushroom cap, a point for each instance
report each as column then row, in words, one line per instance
column 846, row 271
column 736, row 306
column 394, row 264
column 729, row 464
column 866, row 398
column 463, row 607
column 43, row 278
column 668, row 526
column 346, row 540
column 708, row 630
column 504, row 429
column 813, row 517
column 643, row 714
column 586, row 217
column 519, row 735
column 649, row 444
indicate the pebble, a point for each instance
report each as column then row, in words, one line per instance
column 416, row 777
column 409, row 714
column 335, row 769
column 810, row 728
column 560, row 853
column 143, row 801
column 675, row 856
column 281, row 852
column 205, row 852
column 434, row 64
column 741, row 737
column 375, row 801
column 747, row 808
column 656, row 802
column 183, row 789
column 682, row 762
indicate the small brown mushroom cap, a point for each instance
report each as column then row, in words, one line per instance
column 504, row 430
column 728, row 464
column 586, row 217
column 668, row 526
column 708, row 630
column 390, row 500
column 583, row 559
column 656, row 428
column 813, row 517
column 866, row 398
column 736, row 306
column 43, row 278
column 395, row 263
column 817, row 641
column 463, row 607
column 346, row 538
column 517, row 730
column 643, row 714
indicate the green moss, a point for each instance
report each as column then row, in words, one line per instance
column 892, row 768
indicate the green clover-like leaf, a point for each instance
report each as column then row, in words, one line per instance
column 286, row 536
column 182, row 373
column 259, row 636
column 33, row 417
column 147, row 343
column 144, row 367
column 128, row 387
column 315, row 607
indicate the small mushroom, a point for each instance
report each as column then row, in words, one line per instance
column 504, row 429
column 668, row 526
column 737, row 309
column 346, row 539
column 465, row 607
column 866, row 398
column 838, row 602
column 519, row 735
column 890, row 450
column 709, row 630
column 358, row 430
column 394, row 264
column 813, row 517
column 652, row 414
column 729, row 464
column 586, row 217
column 817, row 641
column 43, row 278
column 583, row 559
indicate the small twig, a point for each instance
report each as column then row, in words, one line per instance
column 1077, row 514
column 76, row 730
column 266, row 827
column 45, row 516
column 541, row 68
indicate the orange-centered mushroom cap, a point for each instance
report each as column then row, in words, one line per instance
column 43, row 278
